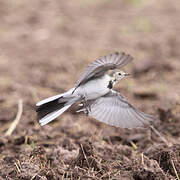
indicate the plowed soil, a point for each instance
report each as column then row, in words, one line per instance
column 44, row 47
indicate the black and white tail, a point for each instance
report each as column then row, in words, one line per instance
column 50, row 108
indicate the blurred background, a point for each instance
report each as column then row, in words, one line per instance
column 44, row 47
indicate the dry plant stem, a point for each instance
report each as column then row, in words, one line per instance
column 16, row 120
column 33, row 177
column 142, row 159
column 17, row 167
column 85, row 155
column 175, row 169
column 162, row 138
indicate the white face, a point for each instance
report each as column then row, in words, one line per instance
column 119, row 75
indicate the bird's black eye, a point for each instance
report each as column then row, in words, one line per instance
column 119, row 73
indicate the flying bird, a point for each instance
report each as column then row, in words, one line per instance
column 96, row 98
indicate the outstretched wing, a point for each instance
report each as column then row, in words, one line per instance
column 100, row 66
column 113, row 109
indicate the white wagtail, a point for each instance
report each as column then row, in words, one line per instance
column 94, row 91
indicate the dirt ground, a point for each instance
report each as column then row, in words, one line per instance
column 44, row 46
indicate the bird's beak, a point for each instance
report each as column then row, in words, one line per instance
column 127, row 74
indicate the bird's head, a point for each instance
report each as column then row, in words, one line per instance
column 118, row 75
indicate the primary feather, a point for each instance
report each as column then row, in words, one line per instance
column 100, row 66
column 113, row 109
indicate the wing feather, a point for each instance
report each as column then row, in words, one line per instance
column 113, row 109
column 103, row 64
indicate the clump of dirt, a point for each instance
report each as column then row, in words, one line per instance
column 148, row 169
column 145, row 95
column 86, row 157
column 170, row 119
column 169, row 114
column 168, row 159
column 38, row 156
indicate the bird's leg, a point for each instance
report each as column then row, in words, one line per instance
column 84, row 110
column 85, row 106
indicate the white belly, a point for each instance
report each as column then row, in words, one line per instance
column 94, row 88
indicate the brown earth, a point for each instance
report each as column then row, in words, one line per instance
column 44, row 46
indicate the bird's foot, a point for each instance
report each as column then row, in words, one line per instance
column 85, row 106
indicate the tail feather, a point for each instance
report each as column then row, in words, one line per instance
column 53, row 115
column 50, row 99
column 48, row 107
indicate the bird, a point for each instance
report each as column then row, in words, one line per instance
column 96, row 97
